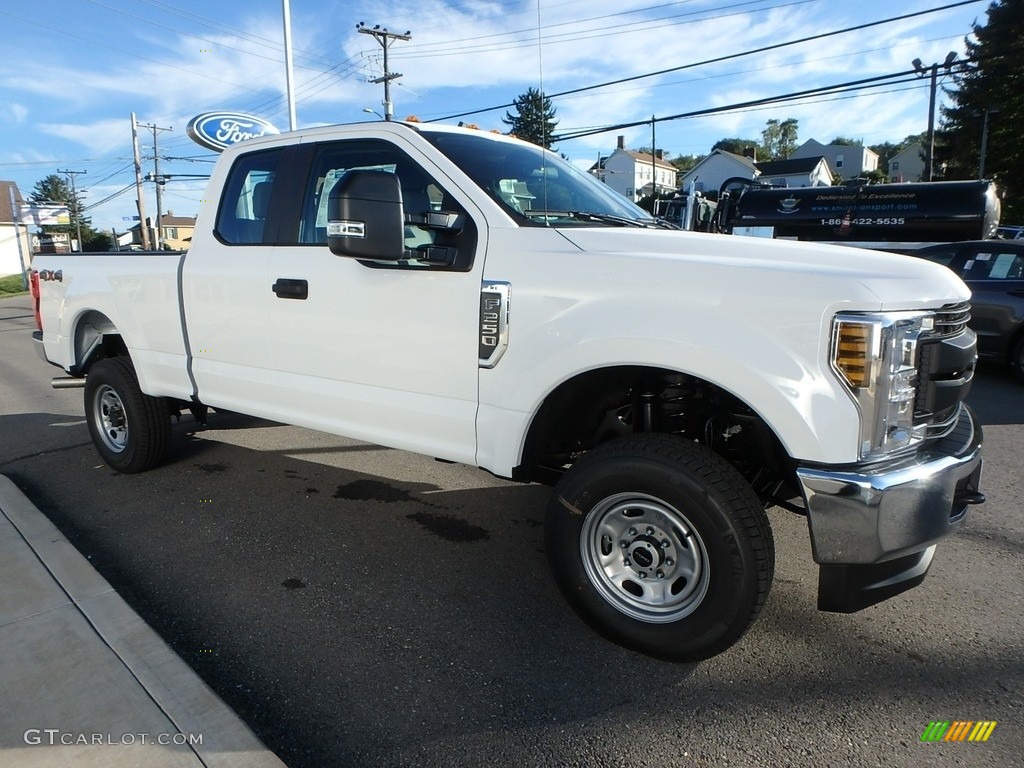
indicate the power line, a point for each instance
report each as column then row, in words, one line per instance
column 719, row 59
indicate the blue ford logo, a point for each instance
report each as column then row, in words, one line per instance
column 219, row 130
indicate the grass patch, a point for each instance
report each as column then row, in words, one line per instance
column 11, row 286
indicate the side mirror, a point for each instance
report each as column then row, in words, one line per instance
column 365, row 219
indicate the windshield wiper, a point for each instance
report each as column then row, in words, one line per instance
column 600, row 218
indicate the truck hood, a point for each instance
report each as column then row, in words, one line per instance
column 890, row 281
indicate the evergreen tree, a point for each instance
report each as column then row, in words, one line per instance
column 534, row 120
column 992, row 79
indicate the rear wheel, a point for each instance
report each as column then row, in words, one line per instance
column 131, row 430
column 661, row 545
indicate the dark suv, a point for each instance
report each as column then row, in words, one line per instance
column 994, row 271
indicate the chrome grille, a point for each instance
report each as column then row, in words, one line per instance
column 951, row 320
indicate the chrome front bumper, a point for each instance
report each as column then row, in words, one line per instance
column 873, row 528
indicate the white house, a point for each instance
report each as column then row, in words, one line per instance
column 801, row 172
column 630, row 173
column 907, row 164
column 716, row 168
column 843, row 160
column 10, row 264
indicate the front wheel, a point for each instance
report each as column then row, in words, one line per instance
column 661, row 546
column 131, row 430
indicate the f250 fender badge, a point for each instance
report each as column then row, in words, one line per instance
column 219, row 130
column 494, row 312
column 48, row 275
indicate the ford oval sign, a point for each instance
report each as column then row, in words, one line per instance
column 219, row 130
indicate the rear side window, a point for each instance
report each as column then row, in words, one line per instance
column 245, row 204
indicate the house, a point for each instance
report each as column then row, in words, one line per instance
column 176, row 231
column 802, row 172
column 907, row 164
column 711, row 172
column 844, row 160
column 630, row 173
column 10, row 261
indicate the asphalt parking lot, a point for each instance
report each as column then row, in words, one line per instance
column 359, row 606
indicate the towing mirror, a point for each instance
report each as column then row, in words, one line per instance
column 365, row 219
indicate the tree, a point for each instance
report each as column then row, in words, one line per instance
column 736, row 146
column 56, row 189
column 778, row 139
column 844, row 141
column 992, row 78
column 534, row 120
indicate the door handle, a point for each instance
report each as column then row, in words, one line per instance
column 286, row 288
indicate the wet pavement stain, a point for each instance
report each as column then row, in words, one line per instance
column 448, row 527
column 372, row 490
column 211, row 468
column 293, row 584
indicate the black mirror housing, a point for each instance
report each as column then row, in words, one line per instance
column 365, row 218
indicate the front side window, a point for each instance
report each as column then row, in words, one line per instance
column 245, row 205
column 420, row 193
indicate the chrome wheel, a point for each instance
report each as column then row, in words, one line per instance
column 644, row 557
column 110, row 417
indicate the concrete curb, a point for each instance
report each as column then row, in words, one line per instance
column 86, row 681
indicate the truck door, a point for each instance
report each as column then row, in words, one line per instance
column 385, row 353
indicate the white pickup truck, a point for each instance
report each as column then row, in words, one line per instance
column 472, row 297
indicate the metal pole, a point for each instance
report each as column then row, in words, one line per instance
column 288, row 71
column 158, row 240
column 984, row 141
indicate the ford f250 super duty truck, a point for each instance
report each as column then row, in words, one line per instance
column 472, row 297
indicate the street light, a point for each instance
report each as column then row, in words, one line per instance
column 373, row 112
column 921, row 70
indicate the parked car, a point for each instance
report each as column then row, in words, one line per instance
column 994, row 271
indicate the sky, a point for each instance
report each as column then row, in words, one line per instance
column 75, row 70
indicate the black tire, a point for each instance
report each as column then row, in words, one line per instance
column 661, row 546
column 1017, row 360
column 131, row 430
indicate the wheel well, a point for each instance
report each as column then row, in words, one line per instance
column 96, row 337
column 596, row 406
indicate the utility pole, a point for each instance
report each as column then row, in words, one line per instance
column 984, row 141
column 78, row 208
column 140, row 198
column 158, row 238
column 929, row 159
column 654, row 173
column 385, row 39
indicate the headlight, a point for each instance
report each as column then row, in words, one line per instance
column 874, row 355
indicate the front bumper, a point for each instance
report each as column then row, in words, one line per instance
column 873, row 529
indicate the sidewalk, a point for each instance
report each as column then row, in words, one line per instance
column 85, row 680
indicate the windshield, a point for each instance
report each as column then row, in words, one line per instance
column 537, row 186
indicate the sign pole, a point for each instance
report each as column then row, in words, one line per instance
column 16, row 220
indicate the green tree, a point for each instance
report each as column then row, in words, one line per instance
column 735, row 145
column 845, row 141
column 778, row 139
column 534, row 120
column 56, row 189
column 991, row 78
